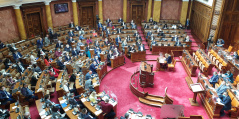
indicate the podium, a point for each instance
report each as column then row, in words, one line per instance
column 146, row 75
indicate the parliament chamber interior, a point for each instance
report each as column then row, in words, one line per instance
column 119, row 59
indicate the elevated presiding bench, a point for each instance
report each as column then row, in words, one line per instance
column 167, row 49
column 203, row 61
column 188, row 63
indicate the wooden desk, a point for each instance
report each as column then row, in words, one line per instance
column 59, row 90
column 138, row 56
column 13, row 113
column 117, row 61
column 67, row 111
column 189, row 64
column 42, row 111
column 102, row 71
column 146, row 75
column 80, row 88
column 99, row 113
column 167, row 49
column 211, row 106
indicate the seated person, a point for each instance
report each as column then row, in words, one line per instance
column 228, row 77
column 29, row 94
column 151, row 19
column 34, row 79
column 7, row 63
column 109, row 56
column 214, row 79
column 59, row 44
column 85, row 115
column 40, row 43
column 58, row 53
column 120, row 20
column 107, row 109
column 47, row 40
column 10, row 81
column 20, row 67
column 235, row 55
column 108, row 20
column 78, row 65
column 67, row 57
column 67, row 48
column 97, row 60
column 93, row 67
column 2, row 45
column 95, row 34
column 36, row 69
column 220, row 42
column 5, row 97
column 74, row 52
column 71, row 34
column 165, row 26
column 59, row 63
column 141, row 47
column 73, row 102
column 71, row 25
column 89, row 41
column 131, row 50
column 93, row 97
column 88, row 75
column 48, row 101
column 89, row 85
column 73, row 77
column 152, row 37
column 97, row 51
column 226, row 100
column 68, row 89
column 146, row 26
column 126, row 116
column 4, row 113
column 118, row 30
column 168, row 58
column 78, row 45
column 187, row 39
column 70, row 40
column 53, row 72
column 77, row 28
column 222, row 88
column 16, row 55
column 81, row 37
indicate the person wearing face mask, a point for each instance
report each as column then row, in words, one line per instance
column 67, row 57
column 58, row 53
column 93, row 67
column 54, row 72
column 74, row 52
column 5, row 97
column 67, row 48
column 214, row 79
column 226, row 100
column 222, row 88
column 60, row 64
column 228, row 77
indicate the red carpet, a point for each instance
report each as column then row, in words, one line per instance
column 116, row 83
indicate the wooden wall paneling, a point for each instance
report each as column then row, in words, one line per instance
column 87, row 13
column 171, row 9
column 135, row 12
column 201, row 20
column 33, row 19
column 230, row 24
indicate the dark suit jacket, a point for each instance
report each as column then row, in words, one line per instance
column 15, row 57
column 74, row 53
column 67, row 49
column 139, row 48
column 39, row 44
column 72, row 78
column 34, row 81
column 169, row 59
column 67, row 58
column 19, row 69
column 93, row 68
column 70, row 25
column 120, row 20
column 71, row 34
column 25, row 92
column 60, row 64
column 226, row 101
column 58, row 45
column 69, row 41
column 78, row 28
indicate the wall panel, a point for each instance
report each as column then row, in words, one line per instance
column 60, row 19
column 201, row 20
column 171, row 9
column 112, row 9
column 8, row 24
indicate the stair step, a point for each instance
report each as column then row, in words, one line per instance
column 151, row 103
column 154, row 98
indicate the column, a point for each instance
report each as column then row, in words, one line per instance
column 20, row 23
column 184, row 12
column 75, row 14
column 100, row 11
column 125, row 10
column 48, row 14
column 157, row 10
column 149, row 10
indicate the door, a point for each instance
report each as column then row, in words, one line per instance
column 87, row 16
column 34, row 26
column 137, row 13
